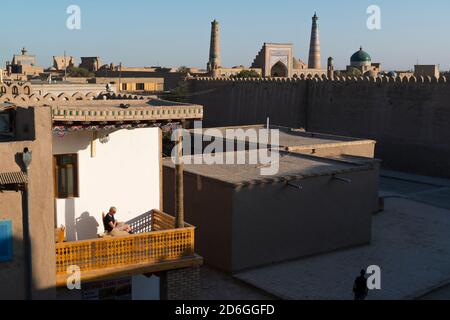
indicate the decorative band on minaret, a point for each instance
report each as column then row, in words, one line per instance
column 314, row 49
column 214, row 52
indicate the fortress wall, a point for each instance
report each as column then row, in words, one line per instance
column 410, row 121
column 409, row 117
column 247, row 102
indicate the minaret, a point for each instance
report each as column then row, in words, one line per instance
column 330, row 68
column 314, row 49
column 214, row 52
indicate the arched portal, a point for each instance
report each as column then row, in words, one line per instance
column 279, row 70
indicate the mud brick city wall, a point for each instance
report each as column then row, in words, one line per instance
column 409, row 117
column 233, row 103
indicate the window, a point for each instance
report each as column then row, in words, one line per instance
column 66, row 176
column 6, row 245
column 124, row 86
column 140, row 87
column 5, row 123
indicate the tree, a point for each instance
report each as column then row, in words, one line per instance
column 180, row 93
column 354, row 72
column 247, row 74
column 183, row 69
column 75, row 72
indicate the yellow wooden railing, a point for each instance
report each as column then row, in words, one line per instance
column 156, row 241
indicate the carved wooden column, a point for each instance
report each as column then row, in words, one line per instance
column 179, row 182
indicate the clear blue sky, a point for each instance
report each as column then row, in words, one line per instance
column 176, row 32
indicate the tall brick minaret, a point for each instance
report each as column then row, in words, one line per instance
column 314, row 49
column 214, row 51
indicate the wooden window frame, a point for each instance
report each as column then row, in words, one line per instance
column 76, row 187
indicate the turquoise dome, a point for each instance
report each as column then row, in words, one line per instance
column 361, row 56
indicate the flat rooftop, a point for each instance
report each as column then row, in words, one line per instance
column 295, row 139
column 291, row 167
column 60, row 83
column 4, row 106
column 118, row 103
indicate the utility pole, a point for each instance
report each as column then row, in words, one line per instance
column 65, row 66
column 26, row 159
column 120, row 76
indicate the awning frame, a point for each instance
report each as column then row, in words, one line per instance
column 13, row 181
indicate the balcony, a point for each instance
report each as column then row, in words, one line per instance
column 156, row 246
column 108, row 111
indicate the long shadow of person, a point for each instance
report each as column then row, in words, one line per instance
column 360, row 289
column 86, row 226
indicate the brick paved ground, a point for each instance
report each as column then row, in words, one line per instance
column 216, row 285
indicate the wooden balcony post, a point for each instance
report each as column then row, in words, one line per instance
column 179, row 183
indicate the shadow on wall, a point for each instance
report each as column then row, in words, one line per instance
column 12, row 272
column 82, row 228
column 14, row 281
column 69, row 206
column 86, row 227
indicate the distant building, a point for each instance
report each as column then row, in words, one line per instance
column 214, row 63
column 273, row 60
column 23, row 66
column 277, row 60
column 314, row 48
column 128, row 83
column 362, row 62
column 79, row 90
column 139, row 80
column 37, row 90
column 403, row 74
column 60, row 63
column 91, row 64
column 427, row 71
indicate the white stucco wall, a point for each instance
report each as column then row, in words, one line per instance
column 125, row 173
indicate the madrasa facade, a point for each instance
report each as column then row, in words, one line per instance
column 273, row 60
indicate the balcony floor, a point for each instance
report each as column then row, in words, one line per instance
column 135, row 269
